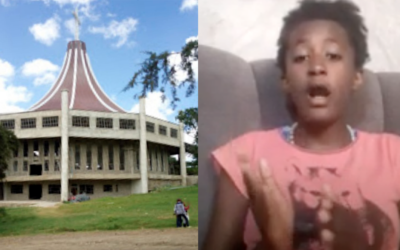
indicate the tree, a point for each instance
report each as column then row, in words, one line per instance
column 8, row 145
column 189, row 117
column 156, row 73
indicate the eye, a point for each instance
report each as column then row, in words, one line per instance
column 300, row 58
column 334, row 56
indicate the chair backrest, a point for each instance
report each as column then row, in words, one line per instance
column 236, row 97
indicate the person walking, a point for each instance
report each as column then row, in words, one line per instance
column 180, row 213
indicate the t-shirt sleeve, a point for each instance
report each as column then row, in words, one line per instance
column 225, row 157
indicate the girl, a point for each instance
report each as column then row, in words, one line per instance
column 319, row 183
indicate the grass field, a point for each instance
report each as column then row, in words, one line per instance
column 154, row 210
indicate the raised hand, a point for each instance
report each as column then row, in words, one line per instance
column 272, row 211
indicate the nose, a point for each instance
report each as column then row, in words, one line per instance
column 316, row 67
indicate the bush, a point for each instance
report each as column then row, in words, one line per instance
column 193, row 171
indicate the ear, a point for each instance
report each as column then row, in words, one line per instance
column 358, row 80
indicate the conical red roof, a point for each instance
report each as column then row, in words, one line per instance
column 76, row 76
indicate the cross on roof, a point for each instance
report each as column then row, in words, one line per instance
column 77, row 24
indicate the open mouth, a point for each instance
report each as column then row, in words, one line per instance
column 318, row 96
column 318, row 91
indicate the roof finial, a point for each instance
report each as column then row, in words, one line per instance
column 77, row 24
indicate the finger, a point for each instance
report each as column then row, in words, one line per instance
column 325, row 217
column 327, row 238
column 324, row 212
column 267, row 178
column 249, row 178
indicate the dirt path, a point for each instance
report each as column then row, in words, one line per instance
column 164, row 239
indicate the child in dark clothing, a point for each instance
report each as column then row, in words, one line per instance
column 180, row 212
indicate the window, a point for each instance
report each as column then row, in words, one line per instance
column 25, row 166
column 150, row 161
column 162, row 161
column 57, row 148
column 56, row 165
column 28, row 123
column 46, row 165
column 111, row 157
column 16, row 151
column 150, row 127
column 156, row 160
column 48, row 122
column 35, row 149
column 104, row 123
column 87, row 189
column 137, row 159
column 162, row 130
column 174, row 133
column 107, row 188
column 15, row 166
column 121, row 158
column 17, row 189
column 8, row 124
column 80, row 121
column 54, row 189
column 25, row 148
column 46, row 148
column 99, row 157
column 89, row 157
column 77, row 157
column 116, row 188
column 127, row 124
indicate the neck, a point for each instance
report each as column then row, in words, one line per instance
column 322, row 137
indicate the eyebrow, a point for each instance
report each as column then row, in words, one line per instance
column 304, row 40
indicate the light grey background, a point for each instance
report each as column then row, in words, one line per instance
column 250, row 28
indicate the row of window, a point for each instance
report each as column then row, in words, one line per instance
column 84, row 121
column 158, row 156
column 46, row 166
column 99, row 157
column 56, row 189
column 26, row 123
column 36, row 152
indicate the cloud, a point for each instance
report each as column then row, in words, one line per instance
column 111, row 15
column 11, row 95
column 155, row 107
column 65, row 2
column 175, row 60
column 190, row 136
column 46, row 32
column 84, row 6
column 5, row 3
column 117, row 30
column 6, row 69
column 188, row 5
column 43, row 70
column 70, row 25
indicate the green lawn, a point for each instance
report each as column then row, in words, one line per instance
column 154, row 210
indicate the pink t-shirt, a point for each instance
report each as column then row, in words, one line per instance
column 365, row 176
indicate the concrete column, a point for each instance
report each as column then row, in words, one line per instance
column 64, row 145
column 182, row 154
column 143, row 147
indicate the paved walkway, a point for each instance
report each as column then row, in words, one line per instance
column 28, row 203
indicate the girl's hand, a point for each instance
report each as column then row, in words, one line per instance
column 274, row 213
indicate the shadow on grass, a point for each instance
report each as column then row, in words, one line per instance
column 2, row 212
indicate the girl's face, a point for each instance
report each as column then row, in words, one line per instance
column 320, row 71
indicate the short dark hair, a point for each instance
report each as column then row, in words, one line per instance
column 343, row 12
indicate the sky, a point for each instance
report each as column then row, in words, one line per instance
column 34, row 36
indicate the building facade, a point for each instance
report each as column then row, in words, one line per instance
column 77, row 140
